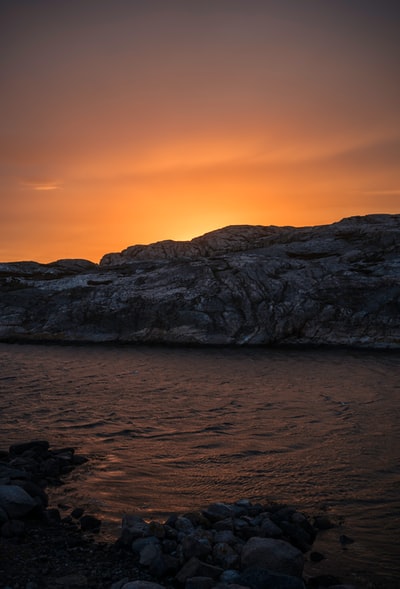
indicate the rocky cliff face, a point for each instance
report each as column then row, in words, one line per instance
column 336, row 284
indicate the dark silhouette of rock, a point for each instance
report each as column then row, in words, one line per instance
column 334, row 284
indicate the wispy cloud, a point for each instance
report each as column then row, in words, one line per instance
column 41, row 185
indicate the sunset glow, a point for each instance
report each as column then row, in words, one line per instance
column 131, row 122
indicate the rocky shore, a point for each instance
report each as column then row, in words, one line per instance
column 335, row 284
column 226, row 546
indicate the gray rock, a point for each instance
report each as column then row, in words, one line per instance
column 334, row 284
column 224, row 524
column 140, row 543
column 225, row 556
column 195, row 546
column 196, row 568
column 15, row 501
column 226, row 536
column 149, row 554
column 275, row 555
column 269, row 529
column 230, row 577
column 219, row 511
column 133, row 527
column 183, row 524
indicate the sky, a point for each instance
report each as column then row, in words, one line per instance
column 133, row 121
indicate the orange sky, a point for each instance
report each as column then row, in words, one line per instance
column 132, row 121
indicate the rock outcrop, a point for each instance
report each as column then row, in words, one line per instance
column 335, row 284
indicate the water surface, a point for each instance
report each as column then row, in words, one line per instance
column 174, row 429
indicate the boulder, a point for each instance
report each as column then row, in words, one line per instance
column 15, row 501
column 272, row 554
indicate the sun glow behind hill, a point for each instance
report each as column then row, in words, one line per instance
column 165, row 121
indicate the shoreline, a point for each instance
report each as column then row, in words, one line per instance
column 329, row 347
column 45, row 547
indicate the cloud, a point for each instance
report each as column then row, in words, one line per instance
column 41, row 185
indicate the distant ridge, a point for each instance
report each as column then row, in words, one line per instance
column 335, row 284
column 229, row 239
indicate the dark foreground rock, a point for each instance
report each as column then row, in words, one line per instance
column 223, row 546
column 336, row 284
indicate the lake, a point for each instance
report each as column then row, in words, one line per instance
column 173, row 429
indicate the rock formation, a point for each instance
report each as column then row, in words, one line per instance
column 334, row 284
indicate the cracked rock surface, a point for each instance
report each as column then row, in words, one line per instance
column 335, row 284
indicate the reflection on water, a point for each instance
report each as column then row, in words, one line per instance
column 173, row 429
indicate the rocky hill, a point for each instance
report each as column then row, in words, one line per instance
column 334, row 284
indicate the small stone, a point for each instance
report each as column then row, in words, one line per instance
column 52, row 516
column 223, row 524
column 90, row 523
column 316, row 556
column 156, row 529
column 269, row 529
column 218, row 511
column 183, row 524
column 77, row 512
column 50, row 468
column 192, row 546
column 230, row 577
column 133, row 527
column 322, row 522
column 226, row 536
column 225, row 556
